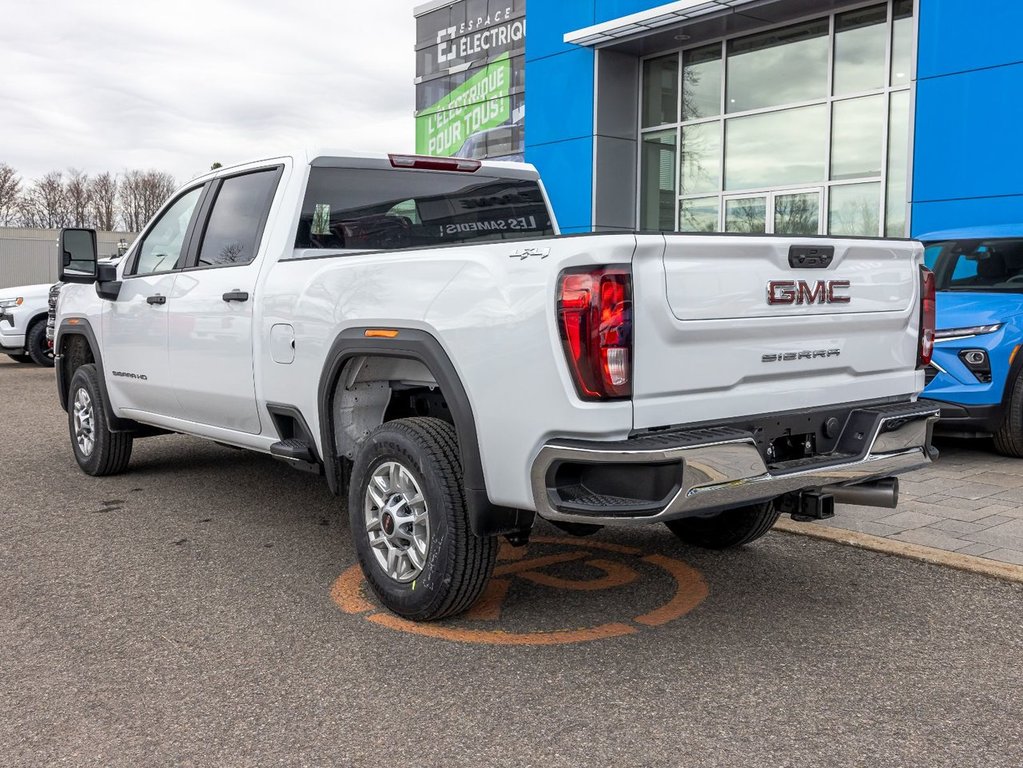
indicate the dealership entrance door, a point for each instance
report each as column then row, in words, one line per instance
column 788, row 212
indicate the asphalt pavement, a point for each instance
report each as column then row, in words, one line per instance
column 202, row 610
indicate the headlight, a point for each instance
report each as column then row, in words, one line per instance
column 8, row 303
column 949, row 334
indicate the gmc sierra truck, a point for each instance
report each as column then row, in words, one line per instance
column 415, row 330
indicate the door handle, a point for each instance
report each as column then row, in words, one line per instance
column 236, row 296
column 156, row 299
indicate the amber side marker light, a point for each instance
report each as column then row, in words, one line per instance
column 381, row 333
column 1013, row 355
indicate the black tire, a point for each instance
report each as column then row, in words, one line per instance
column 110, row 451
column 731, row 528
column 457, row 564
column 36, row 346
column 1009, row 437
column 20, row 358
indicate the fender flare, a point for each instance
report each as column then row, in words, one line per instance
column 80, row 326
column 485, row 518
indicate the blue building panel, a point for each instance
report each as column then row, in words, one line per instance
column 968, row 157
column 968, row 130
column 959, row 36
column 559, row 98
column 546, row 25
column 971, row 212
column 566, row 168
column 559, row 106
column 607, row 10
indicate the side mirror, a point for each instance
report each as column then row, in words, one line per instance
column 78, row 256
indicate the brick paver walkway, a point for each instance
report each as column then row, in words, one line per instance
column 970, row 502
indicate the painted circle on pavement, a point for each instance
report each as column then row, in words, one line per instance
column 561, row 566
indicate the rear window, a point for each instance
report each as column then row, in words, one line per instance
column 994, row 265
column 371, row 209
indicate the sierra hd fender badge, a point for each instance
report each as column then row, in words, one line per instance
column 127, row 375
column 807, row 292
column 524, row 253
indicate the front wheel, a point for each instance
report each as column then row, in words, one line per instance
column 37, row 346
column 1009, row 437
column 731, row 528
column 406, row 507
column 97, row 450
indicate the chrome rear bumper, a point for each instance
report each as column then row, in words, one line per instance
column 715, row 469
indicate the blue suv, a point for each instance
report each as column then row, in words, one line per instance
column 976, row 373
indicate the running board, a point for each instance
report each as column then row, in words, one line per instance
column 298, row 453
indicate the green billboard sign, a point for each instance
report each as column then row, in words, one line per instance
column 480, row 103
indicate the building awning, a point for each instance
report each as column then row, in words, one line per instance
column 654, row 18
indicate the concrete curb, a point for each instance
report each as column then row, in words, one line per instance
column 992, row 568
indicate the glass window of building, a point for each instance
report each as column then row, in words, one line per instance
column 701, row 82
column 699, row 214
column 660, row 91
column 896, row 198
column 779, row 67
column 701, row 158
column 854, row 209
column 797, row 213
column 857, row 138
column 860, row 40
column 902, row 42
column 657, row 181
column 746, row 214
column 776, row 149
column 801, row 129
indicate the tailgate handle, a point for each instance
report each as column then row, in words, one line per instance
column 811, row 256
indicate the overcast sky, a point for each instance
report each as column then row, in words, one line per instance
column 178, row 85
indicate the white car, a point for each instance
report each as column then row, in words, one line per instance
column 23, row 324
column 415, row 330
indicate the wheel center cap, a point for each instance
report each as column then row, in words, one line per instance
column 387, row 523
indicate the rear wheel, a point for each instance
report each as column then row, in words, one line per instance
column 97, row 450
column 1009, row 437
column 409, row 521
column 730, row 528
column 36, row 345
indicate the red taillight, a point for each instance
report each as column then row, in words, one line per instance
column 595, row 320
column 927, row 313
column 427, row 163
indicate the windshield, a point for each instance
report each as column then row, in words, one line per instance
column 994, row 265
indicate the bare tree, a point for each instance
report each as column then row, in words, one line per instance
column 103, row 191
column 10, row 191
column 45, row 204
column 142, row 193
column 79, row 198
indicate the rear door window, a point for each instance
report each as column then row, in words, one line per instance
column 371, row 209
column 235, row 225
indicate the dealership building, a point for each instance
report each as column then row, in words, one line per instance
column 780, row 116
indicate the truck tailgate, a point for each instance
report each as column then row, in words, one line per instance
column 727, row 326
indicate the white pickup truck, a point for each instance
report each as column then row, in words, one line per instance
column 23, row 324
column 416, row 330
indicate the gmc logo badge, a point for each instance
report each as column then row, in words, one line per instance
column 802, row 292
